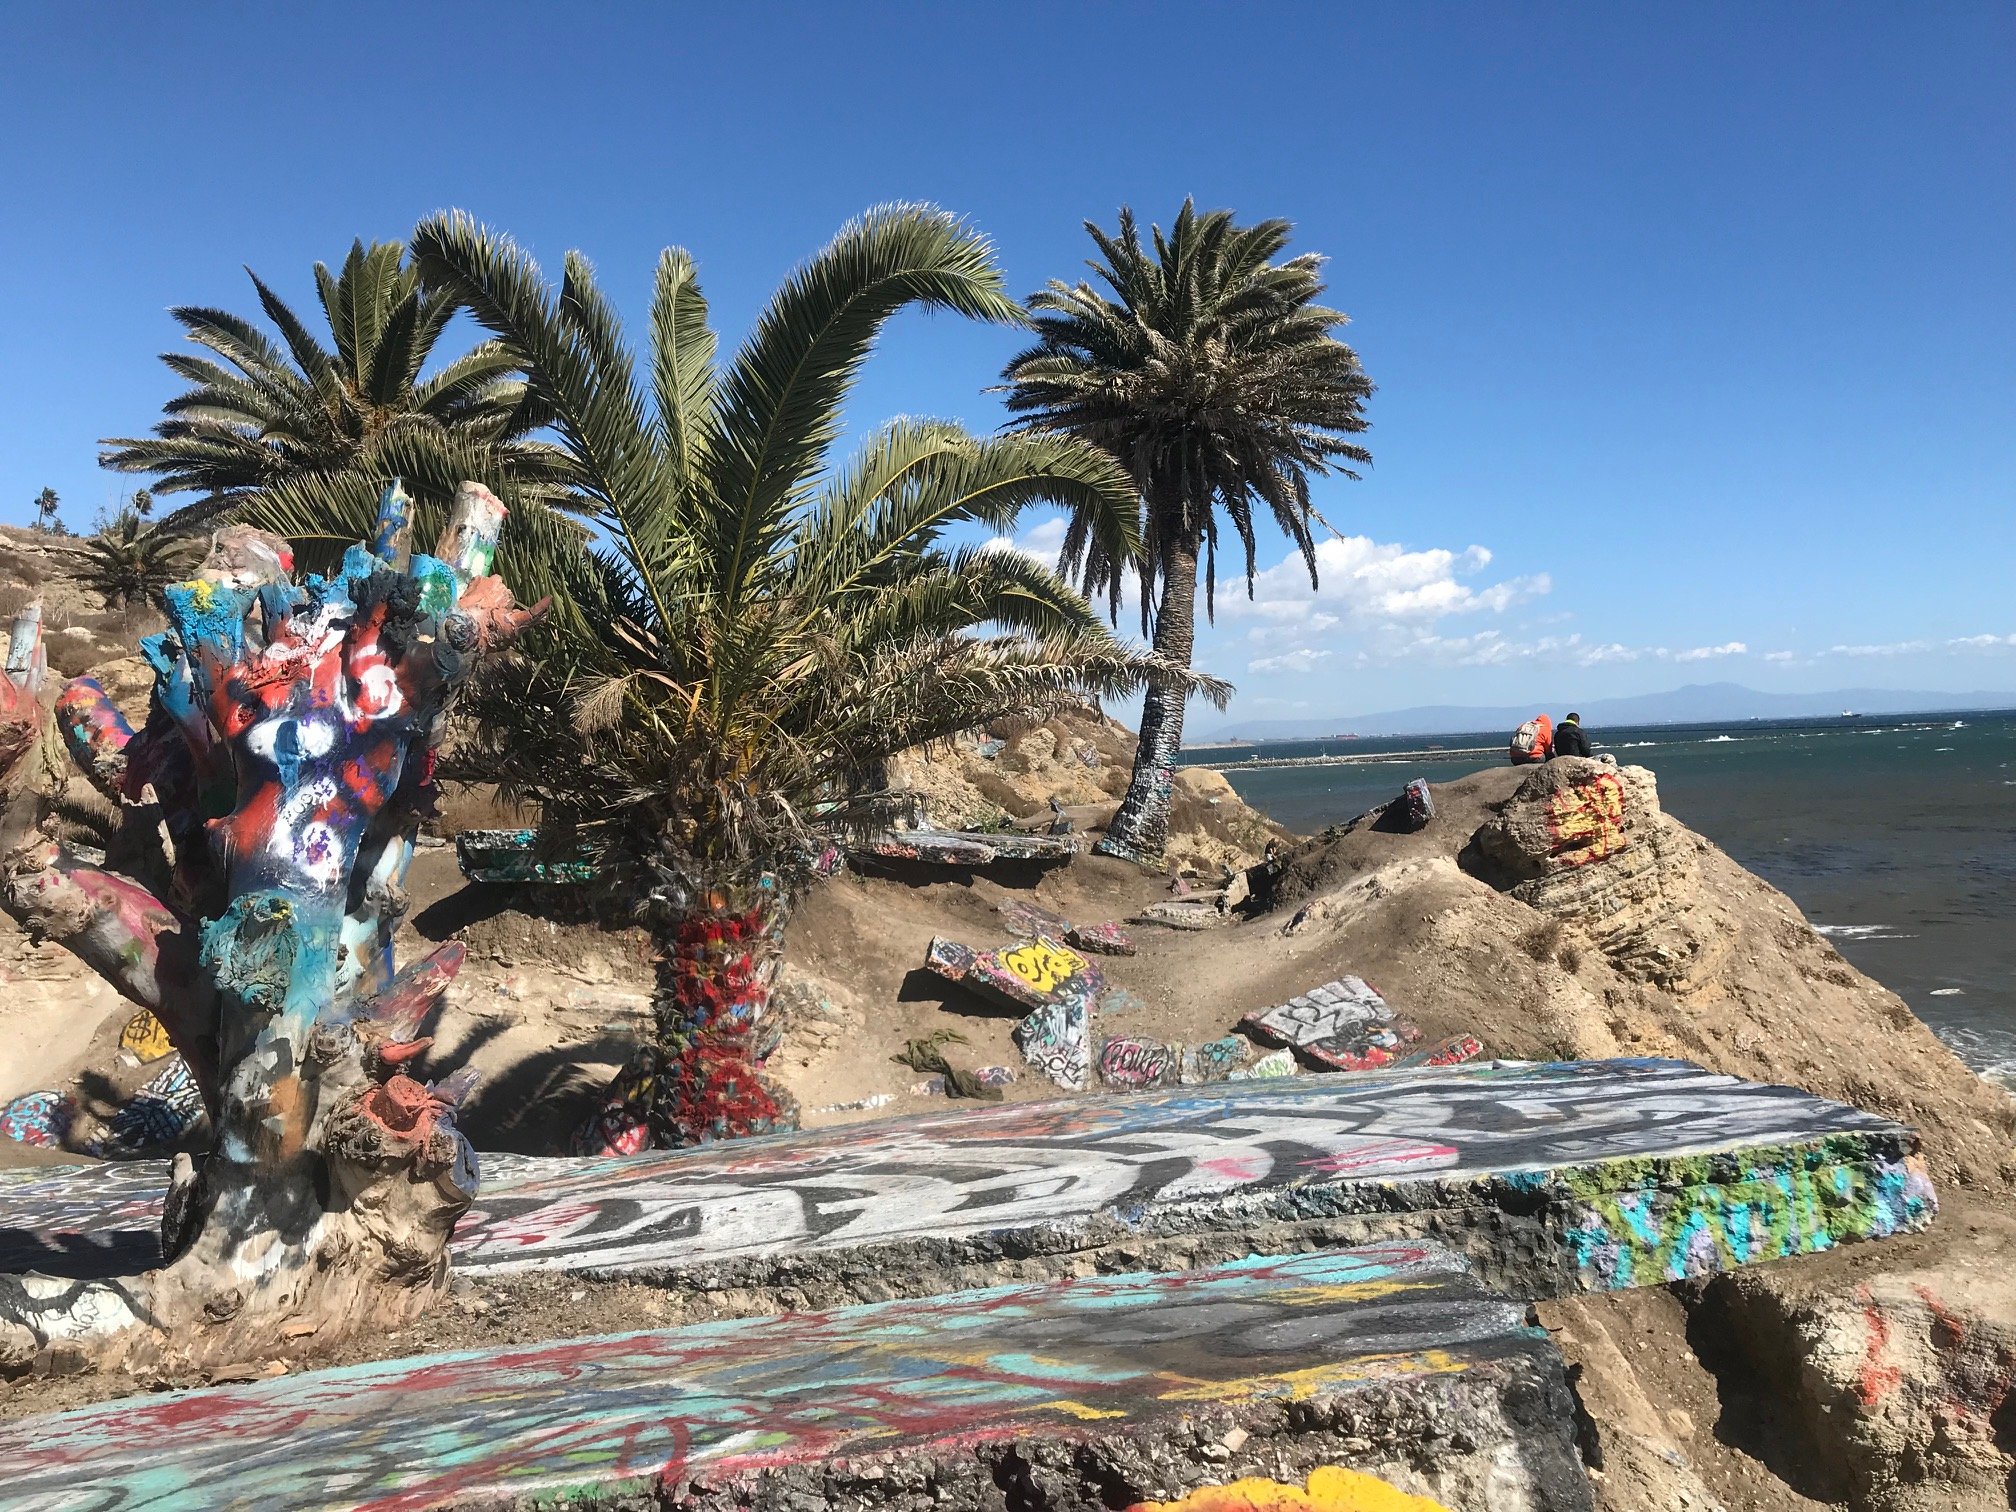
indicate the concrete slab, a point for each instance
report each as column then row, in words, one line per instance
column 1553, row 1178
column 963, row 847
column 1031, row 974
column 512, row 855
column 1091, row 1393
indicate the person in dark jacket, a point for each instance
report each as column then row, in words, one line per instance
column 1569, row 739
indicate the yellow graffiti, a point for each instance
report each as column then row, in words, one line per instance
column 1328, row 1294
column 1042, row 965
column 1300, row 1385
column 1083, row 1413
column 145, row 1036
column 1587, row 822
column 1330, row 1489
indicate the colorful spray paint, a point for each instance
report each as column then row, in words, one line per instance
column 288, row 750
column 761, row 1410
column 700, row 1082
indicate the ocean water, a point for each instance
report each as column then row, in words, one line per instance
column 1897, row 836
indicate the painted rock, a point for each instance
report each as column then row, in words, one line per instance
column 1214, row 1060
column 1343, row 1024
column 1274, row 1064
column 938, row 847
column 1030, row 975
column 1449, row 1052
column 1183, row 913
column 994, row 1076
column 948, row 958
column 1125, row 1061
column 1053, row 1041
column 1022, row 847
column 145, row 1038
column 37, row 1118
column 1102, row 939
column 1026, row 920
column 1419, row 803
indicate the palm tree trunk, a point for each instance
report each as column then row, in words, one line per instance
column 699, row 1082
column 1140, row 830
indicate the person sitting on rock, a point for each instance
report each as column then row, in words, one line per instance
column 1570, row 739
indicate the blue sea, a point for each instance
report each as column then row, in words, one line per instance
column 1896, row 836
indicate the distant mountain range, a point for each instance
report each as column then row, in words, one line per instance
column 1697, row 703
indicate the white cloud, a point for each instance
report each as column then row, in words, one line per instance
column 1301, row 659
column 1778, row 656
column 1492, row 648
column 1981, row 642
column 1613, row 652
column 1895, row 648
column 1042, row 541
column 1709, row 653
column 1281, row 633
column 1371, row 583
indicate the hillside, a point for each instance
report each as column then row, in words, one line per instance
column 1875, row 1379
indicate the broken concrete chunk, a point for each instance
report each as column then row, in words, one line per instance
column 1397, row 1345
column 1343, row 1024
column 1029, row 975
column 1053, row 1040
column 1449, row 1052
column 1214, row 1060
column 1027, row 920
column 1275, row 1063
column 1182, row 913
column 1129, row 1062
column 1102, row 939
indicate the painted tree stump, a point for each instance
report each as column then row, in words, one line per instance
column 267, row 811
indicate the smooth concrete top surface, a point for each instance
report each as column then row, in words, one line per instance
column 726, row 1400
column 1027, row 1169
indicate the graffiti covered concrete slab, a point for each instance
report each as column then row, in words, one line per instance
column 1107, row 938
column 962, row 847
column 516, row 855
column 1587, row 1174
column 1344, row 1025
column 908, row 1404
column 1031, row 974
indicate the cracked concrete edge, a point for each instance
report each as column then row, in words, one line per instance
column 1496, row 1436
column 1521, row 1236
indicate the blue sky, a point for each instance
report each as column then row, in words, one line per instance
column 1692, row 325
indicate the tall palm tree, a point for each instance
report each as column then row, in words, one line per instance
column 1216, row 378
column 298, row 437
column 48, row 511
column 761, row 626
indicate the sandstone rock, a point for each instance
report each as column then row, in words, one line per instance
column 1587, row 843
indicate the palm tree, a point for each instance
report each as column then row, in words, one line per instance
column 1216, row 379
column 298, row 438
column 762, row 628
column 131, row 561
column 48, row 507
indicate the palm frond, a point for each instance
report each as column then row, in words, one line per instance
column 780, row 398
column 567, row 354
column 682, row 362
